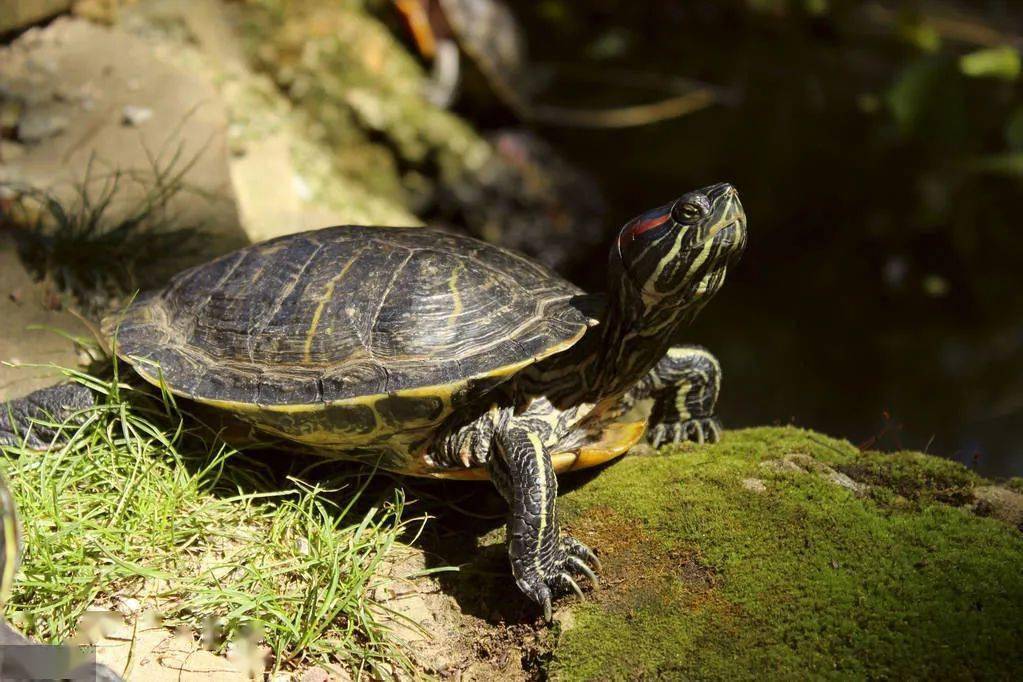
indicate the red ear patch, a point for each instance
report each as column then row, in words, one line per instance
column 641, row 225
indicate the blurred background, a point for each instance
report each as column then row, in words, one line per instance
column 877, row 147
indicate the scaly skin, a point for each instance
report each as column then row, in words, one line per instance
column 34, row 421
column 684, row 386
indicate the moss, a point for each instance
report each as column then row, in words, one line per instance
column 754, row 557
column 1015, row 483
column 362, row 94
column 915, row 476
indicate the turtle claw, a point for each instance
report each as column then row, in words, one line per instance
column 539, row 592
column 566, row 578
column 700, row 430
column 580, row 551
column 572, row 557
column 580, row 566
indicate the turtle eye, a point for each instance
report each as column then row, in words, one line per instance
column 688, row 212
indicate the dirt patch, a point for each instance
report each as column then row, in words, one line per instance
column 33, row 314
column 445, row 640
column 440, row 638
column 156, row 654
column 635, row 562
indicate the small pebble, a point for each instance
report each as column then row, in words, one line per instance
column 37, row 125
column 46, row 65
column 754, row 485
column 315, row 675
column 135, row 116
column 302, row 188
column 128, row 606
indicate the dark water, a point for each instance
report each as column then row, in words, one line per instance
column 880, row 295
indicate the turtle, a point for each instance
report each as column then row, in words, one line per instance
column 438, row 355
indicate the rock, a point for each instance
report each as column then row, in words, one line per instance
column 754, row 485
column 315, row 675
column 135, row 116
column 799, row 462
column 71, row 79
column 40, row 123
column 17, row 14
column 1000, row 503
column 808, row 581
column 10, row 151
column 286, row 179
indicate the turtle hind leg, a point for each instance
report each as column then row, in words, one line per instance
column 544, row 563
column 685, row 386
column 35, row 421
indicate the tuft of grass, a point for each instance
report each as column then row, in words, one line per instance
column 114, row 226
column 139, row 503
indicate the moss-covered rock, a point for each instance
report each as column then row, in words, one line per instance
column 363, row 95
column 786, row 554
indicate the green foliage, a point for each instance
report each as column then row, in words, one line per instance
column 729, row 562
column 926, row 98
column 138, row 505
column 995, row 62
column 921, row 34
column 1014, row 130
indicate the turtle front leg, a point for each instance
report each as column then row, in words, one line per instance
column 542, row 560
column 685, row 386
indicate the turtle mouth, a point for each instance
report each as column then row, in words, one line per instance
column 723, row 232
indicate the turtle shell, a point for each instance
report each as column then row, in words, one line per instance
column 385, row 328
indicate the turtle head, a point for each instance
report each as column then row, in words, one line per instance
column 677, row 254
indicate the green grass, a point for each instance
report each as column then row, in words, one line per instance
column 136, row 504
column 709, row 579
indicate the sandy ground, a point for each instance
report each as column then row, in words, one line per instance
column 31, row 312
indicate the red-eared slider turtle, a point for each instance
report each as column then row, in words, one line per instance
column 438, row 355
